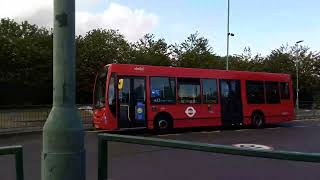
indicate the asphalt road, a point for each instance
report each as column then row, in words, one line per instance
column 129, row 161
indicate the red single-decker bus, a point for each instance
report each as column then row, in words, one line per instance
column 161, row 98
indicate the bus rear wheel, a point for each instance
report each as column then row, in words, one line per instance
column 257, row 120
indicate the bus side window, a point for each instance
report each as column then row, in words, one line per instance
column 162, row 90
column 189, row 90
column 272, row 92
column 112, row 95
column 255, row 92
column 284, row 90
column 209, row 91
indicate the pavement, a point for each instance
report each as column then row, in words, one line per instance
column 128, row 161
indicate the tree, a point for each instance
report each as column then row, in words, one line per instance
column 195, row 52
column 23, row 49
column 26, row 58
column 245, row 61
column 308, row 72
column 285, row 60
column 98, row 47
column 149, row 51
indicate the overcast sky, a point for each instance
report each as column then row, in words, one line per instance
column 262, row 25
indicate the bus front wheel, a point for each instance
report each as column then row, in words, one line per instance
column 257, row 120
column 163, row 124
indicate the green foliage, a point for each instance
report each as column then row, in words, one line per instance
column 149, row 51
column 194, row 52
column 98, row 47
column 26, row 60
column 25, row 53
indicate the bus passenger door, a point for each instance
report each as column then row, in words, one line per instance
column 132, row 100
column 231, row 103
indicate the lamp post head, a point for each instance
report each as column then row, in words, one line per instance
column 299, row 41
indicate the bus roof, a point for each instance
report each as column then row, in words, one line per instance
column 147, row 70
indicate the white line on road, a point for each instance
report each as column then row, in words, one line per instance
column 301, row 120
column 242, row 130
column 208, row 132
column 163, row 135
column 300, row 126
column 274, row 128
column 95, row 131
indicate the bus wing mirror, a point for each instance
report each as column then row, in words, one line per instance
column 120, row 84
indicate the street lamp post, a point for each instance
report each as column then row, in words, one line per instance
column 228, row 34
column 297, row 76
column 63, row 153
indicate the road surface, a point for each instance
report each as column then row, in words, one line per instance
column 132, row 162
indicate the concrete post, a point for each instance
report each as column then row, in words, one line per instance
column 63, row 156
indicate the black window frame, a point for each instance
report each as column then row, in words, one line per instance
column 174, row 88
column 100, row 88
column 266, row 92
column 134, row 93
column 286, row 96
column 113, row 80
column 120, row 92
column 216, row 89
column 247, row 92
column 178, row 88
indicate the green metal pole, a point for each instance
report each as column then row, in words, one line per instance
column 297, row 75
column 19, row 164
column 63, row 156
column 102, row 159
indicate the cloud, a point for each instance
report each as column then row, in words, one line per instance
column 133, row 23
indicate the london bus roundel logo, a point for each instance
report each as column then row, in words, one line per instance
column 190, row 111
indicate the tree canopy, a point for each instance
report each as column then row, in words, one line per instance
column 26, row 60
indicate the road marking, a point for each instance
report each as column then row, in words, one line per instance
column 164, row 135
column 175, row 134
column 274, row 128
column 208, row 132
column 95, row 131
column 300, row 126
column 238, row 130
column 253, row 146
column 301, row 120
column 241, row 130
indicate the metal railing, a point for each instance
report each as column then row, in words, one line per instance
column 103, row 140
column 18, row 154
column 14, row 118
column 31, row 117
column 308, row 110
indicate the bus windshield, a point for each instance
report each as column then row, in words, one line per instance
column 100, row 88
